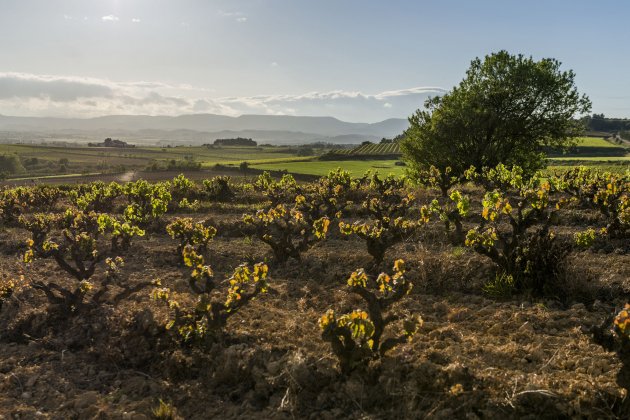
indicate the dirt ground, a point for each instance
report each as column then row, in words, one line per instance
column 474, row 357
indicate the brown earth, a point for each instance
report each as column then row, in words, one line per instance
column 474, row 357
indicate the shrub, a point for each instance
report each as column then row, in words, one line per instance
column 77, row 250
column 328, row 197
column 356, row 337
column 614, row 335
column 147, row 202
column 517, row 252
column 283, row 191
column 8, row 287
column 434, row 178
column 121, row 231
column 218, row 188
column 20, row 200
column 605, row 191
column 190, row 233
column 379, row 236
column 182, row 187
column 499, row 177
column 586, row 238
column 76, row 253
column 389, row 207
column 288, row 231
column 207, row 317
column 97, row 196
column 452, row 212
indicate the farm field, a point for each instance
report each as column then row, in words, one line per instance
column 51, row 160
column 315, row 167
column 105, row 344
column 207, row 155
column 594, row 142
column 48, row 161
column 372, row 149
column 593, row 158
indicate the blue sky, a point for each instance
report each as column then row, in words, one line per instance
column 355, row 60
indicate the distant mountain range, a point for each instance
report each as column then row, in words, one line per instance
column 199, row 128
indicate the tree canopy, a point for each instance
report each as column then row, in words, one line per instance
column 506, row 110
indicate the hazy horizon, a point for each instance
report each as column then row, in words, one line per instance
column 357, row 61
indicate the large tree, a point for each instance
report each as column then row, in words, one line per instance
column 506, row 109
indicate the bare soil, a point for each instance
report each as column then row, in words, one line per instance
column 474, row 357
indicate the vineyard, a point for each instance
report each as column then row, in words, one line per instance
column 490, row 295
column 372, row 149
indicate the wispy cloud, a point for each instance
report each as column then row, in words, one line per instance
column 230, row 14
column 110, row 18
column 135, row 20
column 237, row 16
column 69, row 96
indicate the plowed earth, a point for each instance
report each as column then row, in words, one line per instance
column 474, row 357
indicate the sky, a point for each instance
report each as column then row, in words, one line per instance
column 357, row 60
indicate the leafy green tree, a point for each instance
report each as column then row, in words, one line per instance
column 11, row 164
column 506, row 110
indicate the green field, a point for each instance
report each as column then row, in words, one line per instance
column 46, row 160
column 81, row 154
column 593, row 158
column 594, row 142
column 371, row 149
column 355, row 167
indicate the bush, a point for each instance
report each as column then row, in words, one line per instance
column 288, row 231
column 356, row 337
column 196, row 323
column 218, row 188
column 533, row 260
column 8, row 287
column 435, row 178
column 189, row 233
column 77, row 251
column 389, row 206
column 283, row 191
column 121, row 231
column 97, row 196
column 452, row 212
column 607, row 192
column 147, row 202
column 329, row 196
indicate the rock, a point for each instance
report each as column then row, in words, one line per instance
column 578, row 307
column 536, row 355
column 134, row 416
column 31, row 381
column 274, row 368
column 526, row 328
column 86, row 399
column 26, row 395
column 496, row 329
column 459, row 315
